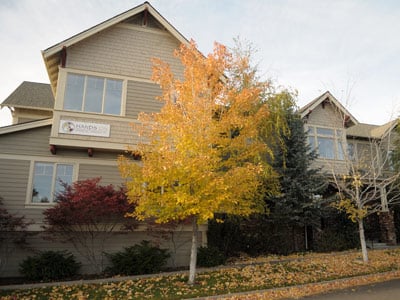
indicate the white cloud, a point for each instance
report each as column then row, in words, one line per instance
column 310, row 45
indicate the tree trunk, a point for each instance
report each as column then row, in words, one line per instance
column 362, row 240
column 193, row 252
column 305, row 237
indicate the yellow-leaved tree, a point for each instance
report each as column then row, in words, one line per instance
column 201, row 154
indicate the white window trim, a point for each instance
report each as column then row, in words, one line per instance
column 62, row 83
column 28, row 200
column 337, row 140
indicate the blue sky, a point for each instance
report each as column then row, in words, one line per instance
column 348, row 47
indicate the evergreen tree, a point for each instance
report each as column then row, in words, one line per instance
column 295, row 207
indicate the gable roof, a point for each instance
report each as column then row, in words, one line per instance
column 385, row 129
column 371, row 131
column 52, row 55
column 31, row 95
column 327, row 96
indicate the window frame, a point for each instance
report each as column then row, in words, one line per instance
column 391, row 165
column 316, row 133
column 351, row 151
column 29, row 194
column 105, row 92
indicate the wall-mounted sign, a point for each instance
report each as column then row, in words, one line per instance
column 84, row 128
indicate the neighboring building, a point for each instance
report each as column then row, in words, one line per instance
column 29, row 102
column 342, row 142
column 76, row 127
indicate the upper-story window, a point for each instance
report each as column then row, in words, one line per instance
column 328, row 142
column 47, row 180
column 93, row 94
column 351, row 151
column 391, row 160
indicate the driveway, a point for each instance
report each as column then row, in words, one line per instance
column 388, row 290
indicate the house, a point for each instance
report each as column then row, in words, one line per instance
column 342, row 144
column 76, row 127
column 29, row 102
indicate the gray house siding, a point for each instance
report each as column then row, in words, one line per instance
column 328, row 116
column 14, row 175
column 27, row 142
column 16, row 158
column 179, row 250
column 141, row 97
column 124, row 50
column 108, row 174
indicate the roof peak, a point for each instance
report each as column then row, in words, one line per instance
column 305, row 110
column 51, row 55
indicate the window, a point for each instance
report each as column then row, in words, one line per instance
column 311, row 138
column 391, row 160
column 47, row 179
column 93, row 94
column 328, row 142
column 351, row 151
column 341, row 143
column 326, row 147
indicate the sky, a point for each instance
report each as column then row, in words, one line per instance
column 349, row 47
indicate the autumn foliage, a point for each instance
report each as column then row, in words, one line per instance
column 86, row 215
column 87, row 202
column 201, row 154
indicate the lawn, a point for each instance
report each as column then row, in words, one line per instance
column 241, row 276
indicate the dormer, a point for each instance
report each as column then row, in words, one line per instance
column 326, row 110
column 326, row 122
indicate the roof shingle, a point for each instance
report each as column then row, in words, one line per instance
column 31, row 95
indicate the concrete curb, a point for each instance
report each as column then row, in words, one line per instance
column 25, row 286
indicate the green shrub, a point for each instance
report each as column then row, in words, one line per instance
column 337, row 232
column 210, row 257
column 227, row 235
column 254, row 235
column 49, row 265
column 138, row 259
column 330, row 240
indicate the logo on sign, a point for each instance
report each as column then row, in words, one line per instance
column 84, row 128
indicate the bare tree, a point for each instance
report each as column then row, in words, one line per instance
column 365, row 181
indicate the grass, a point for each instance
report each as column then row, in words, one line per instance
column 246, row 275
